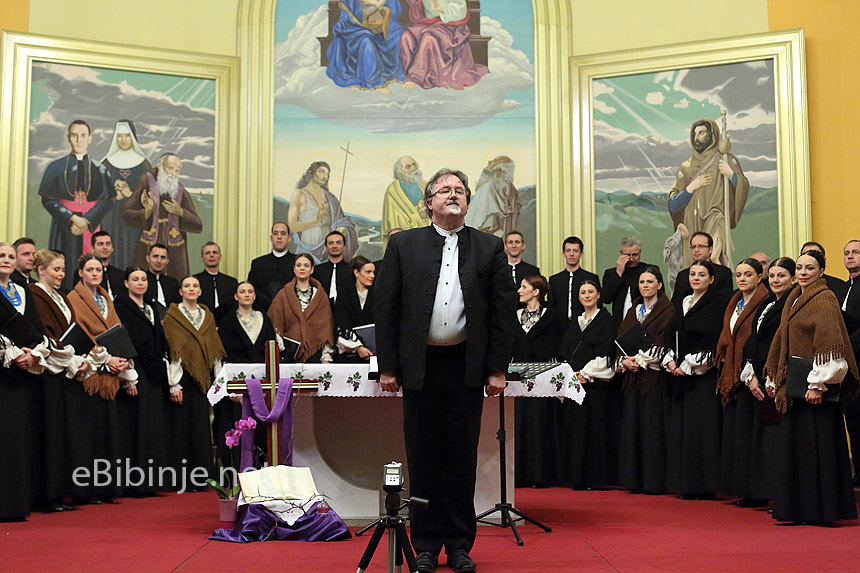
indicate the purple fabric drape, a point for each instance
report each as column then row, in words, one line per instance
column 282, row 413
column 256, row 523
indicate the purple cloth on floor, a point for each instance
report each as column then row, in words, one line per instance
column 256, row 523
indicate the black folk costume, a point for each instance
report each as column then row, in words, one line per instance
column 590, row 441
column 813, row 473
column 20, row 413
column 143, row 423
column 195, row 350
column 739, row 413
column 766, row 431
column 537, row 434
column 696, row 414
column 642, row 457
column 244, row 341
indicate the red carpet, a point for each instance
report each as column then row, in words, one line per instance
column 594, row 531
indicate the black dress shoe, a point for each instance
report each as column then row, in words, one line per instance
column 460, row 562
column 427, row 562
column 56, row 507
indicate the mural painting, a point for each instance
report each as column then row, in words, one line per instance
column 668, row 163
column 373, row 96
column 126, row 152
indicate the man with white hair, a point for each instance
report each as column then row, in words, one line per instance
column 495, row 208
column 162, row 209
column 125, row 163
column 403, row 206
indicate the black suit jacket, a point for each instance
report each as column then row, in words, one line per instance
column 19, row 279
column 406, row 291
column 522, row 270
column 723, row 284
column 345, row 280
column 834, row 283
column 559, row 291
column 269, row 274
column 226, row 287
column 615, row 288
column 170, row 287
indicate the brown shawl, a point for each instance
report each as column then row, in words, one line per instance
column 87, row 315
column 52, row 317
column 655, row 325
column 811, row 328
column 313, row 327
column 730, row 348
column 198, row 349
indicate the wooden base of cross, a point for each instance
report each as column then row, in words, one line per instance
column 270, row 392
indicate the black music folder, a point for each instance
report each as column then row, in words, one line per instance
column 19, row 330
column 78, row 338
column 117, row 342
column 633, row 340
column 796, row 383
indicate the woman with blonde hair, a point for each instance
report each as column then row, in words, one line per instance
column 20, row 365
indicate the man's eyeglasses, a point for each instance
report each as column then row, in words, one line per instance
column 459, row 191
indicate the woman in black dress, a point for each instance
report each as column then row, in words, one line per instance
column 765, row 429
column 62, row 393
column 538, row 420
column 141, row 408
column 738, row 409
column 589, row 452
column 195, row 352
column 698, row 329
column 244, row 333
column 355, row 308
column 813, row 472
column 642, row 458
column 17, row 387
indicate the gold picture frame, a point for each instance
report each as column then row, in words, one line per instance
column 784, row 50
column 19, row 54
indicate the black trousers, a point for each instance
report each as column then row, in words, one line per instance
column 442, row 424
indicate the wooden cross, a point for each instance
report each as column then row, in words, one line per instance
column 270, row 390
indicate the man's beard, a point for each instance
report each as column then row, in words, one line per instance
column 168, row 184
column 453, row 209
column 700, row 146
column 414, row 177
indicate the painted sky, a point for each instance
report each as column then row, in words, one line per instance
column 171, row 113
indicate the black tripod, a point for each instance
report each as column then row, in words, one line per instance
column 503, row 507
column 395, row 524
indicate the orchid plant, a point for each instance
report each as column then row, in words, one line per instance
column 232, row 438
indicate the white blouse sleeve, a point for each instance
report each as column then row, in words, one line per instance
column 599, row 368
column 832, row 371
column 174, row 375
column 747, row 373
column 696, row 364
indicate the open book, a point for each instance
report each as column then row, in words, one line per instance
column 277, row 482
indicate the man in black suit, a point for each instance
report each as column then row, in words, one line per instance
column 833, row 283
column 335, row 275
column 217, row 290
column 621, row 283
column 162, row 290
column 701, row 246
column 564, row 285
column 113, row 278
column 269, row 273
column 848, row 295
column 445, row 322
column 25, row 247
column 515, row 245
